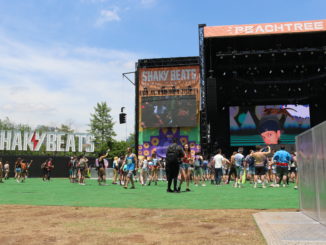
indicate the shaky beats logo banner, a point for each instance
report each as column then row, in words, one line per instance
column 53, row 141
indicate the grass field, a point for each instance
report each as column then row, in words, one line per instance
column 59, row 192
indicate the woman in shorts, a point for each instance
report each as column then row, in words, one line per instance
column 154, row 167
column 198, row 172
column 187, row 161
column 82, row 168
column 144, row 171
column 115, row 170
column 130, row 162
column 18, row 169
column 100, row 164
column 7, row 170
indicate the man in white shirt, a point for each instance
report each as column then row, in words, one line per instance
column 219, row 160
column 238, row 159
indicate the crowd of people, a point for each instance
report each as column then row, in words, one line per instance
column 21, row 170
column 261, row 167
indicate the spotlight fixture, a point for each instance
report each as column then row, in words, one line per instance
column 282, row 71
column 224, row 73
column 299, row 53
column 318, row 70
column 270, row 71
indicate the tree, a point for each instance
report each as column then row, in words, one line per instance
column 101, row 124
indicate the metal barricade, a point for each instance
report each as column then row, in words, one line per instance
column 311, row 157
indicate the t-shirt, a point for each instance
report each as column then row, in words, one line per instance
column 238, row 159
column 282, row 156
column 218, row 159
column 198, row 161
column 145, row 165
column 250, row 161
column 6, row 166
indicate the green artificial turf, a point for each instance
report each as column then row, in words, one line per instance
column 61, row 192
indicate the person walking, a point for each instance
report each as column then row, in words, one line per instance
column 282, row 158
column 219, row 160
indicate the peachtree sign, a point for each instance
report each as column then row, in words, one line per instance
column 53, row 141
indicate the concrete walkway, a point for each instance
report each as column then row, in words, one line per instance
column 281, row 228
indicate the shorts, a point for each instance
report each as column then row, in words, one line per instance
column 101, row 172
column 251, row 170
column 82, row 171
column 198, row 171
column 282, row 171
column 239, row 171
column 70, row 172
column 184, row 165
column 293, row 170
column 130, row 173
column 260, row 170
column 18, row 170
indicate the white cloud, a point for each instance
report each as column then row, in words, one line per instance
column 108, row 16
column 148, row 3
column 58, row 84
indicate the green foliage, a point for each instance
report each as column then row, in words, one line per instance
column 101, row 124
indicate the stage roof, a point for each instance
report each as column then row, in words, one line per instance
column 265, row 29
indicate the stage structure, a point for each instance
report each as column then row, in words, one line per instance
column 263, row 83
column 167, row 104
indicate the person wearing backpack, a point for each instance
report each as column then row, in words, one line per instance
column 82, row 165
column 174, row 154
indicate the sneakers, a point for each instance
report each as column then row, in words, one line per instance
column 264, row 186
column 284, row 185
column 187, row 189
column 255, row 185
column 203, row 185
column 296, row 187
column 196, row 185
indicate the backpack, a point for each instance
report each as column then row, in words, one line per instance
column 172, row 154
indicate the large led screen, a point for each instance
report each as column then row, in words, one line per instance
column 168, row 111
column 269, row 124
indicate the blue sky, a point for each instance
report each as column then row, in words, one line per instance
column 59, row 57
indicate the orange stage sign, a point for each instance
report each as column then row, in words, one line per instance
column 263, row 29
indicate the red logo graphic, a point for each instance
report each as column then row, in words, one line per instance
column 34, row 140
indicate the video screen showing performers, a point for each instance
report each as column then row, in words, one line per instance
column 269, row 124
column 168, row 111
